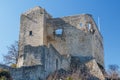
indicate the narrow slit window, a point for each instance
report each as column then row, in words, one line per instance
column 56, row 64
column 30, row 33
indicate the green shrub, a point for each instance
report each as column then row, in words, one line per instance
column 4, row 74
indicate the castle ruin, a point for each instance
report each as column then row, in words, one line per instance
column 47, row 44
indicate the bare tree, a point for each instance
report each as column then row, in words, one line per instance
column 113, row 72
column 12, row 55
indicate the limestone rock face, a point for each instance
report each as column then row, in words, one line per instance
column 95, row 70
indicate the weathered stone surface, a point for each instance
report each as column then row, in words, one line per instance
column 94, row 69
column 39, row 64
column 26, row 73
column 81, row 36
column 43, row 51
column 32, row 21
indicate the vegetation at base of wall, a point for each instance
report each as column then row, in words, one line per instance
column 69, row 78
column 13, row 65
column 4, row 74
column 3, row 78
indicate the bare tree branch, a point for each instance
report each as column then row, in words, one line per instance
column 12, row 55
column 113, row 72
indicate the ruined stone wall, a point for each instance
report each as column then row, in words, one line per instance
column 29, row 73
column 87, row 24
column 34, row 55
column 54, row 61
column 26, row 73
column 78, row 36
column 38, row 63
column 43, row 51
column 73, row 40
column 48, row 57
column 97, row 44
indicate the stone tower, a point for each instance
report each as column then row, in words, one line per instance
column 32, row 30
column 76, row 35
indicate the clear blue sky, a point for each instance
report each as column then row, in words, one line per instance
column 107, row 10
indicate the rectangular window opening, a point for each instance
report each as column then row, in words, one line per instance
column 80, row 24
column 30, row 33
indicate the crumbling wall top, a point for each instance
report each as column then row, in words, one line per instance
column 37, row 8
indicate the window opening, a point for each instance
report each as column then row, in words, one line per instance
column 56, row 64
column 80, row 24
column 30, row 33
column 58, row 32
column 89, row 26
